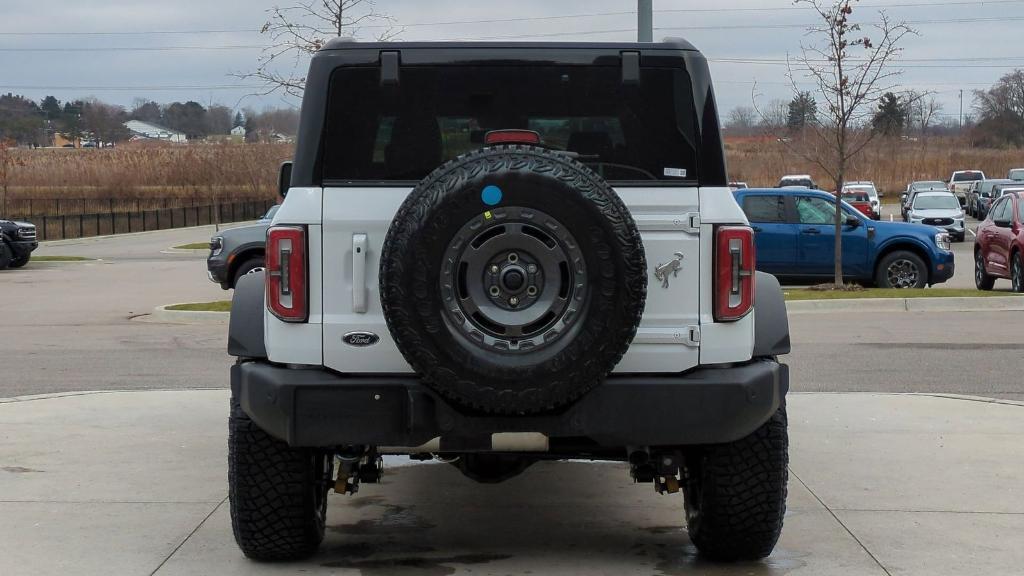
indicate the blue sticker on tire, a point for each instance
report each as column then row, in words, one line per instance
column 491, row 195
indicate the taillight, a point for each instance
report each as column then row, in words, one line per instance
column 734, row 272
column 287, row 284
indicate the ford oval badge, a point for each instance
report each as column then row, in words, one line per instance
column 360, row 339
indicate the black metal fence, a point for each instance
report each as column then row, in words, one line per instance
column 82, row 218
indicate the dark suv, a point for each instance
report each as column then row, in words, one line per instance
column 17, row 242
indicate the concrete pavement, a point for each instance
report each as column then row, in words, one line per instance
column 134, row 483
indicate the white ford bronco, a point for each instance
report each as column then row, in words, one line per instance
column 499, row 254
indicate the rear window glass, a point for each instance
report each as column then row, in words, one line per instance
column 968, row 176
column 856, row 196
column 765, row 209
column 627, row 133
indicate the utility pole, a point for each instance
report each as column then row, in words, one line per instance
column 645, row 20
column 961, row 110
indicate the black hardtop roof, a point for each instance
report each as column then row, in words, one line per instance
column 344, row 43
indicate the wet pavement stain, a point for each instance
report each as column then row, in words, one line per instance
column 19, row 470
column 415, row 565
column 395, row 520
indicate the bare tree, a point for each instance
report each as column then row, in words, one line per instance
column 299, row 30
column 923, row 109
column 774, row 117
column 741, row 120
column 851, row 71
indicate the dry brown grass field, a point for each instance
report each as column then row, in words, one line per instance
column 890, row 164
column 148, row 170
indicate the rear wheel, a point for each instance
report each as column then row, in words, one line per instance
column 1017, row 273
column 736, row 493
column 981, row 278
column 278, row 494
column 901, row 269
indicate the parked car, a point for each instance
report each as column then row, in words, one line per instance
column 915, row 187
column 478, row 313
column 1016, row 174
column 797, row 181
column 17, row 242
column 940, row 209
column 861, row 201
column 979, row 197
column 961, row 181
column 874, row 197
column 795, row 240
column 738, row 185
column 236, row 252
column 999, row 244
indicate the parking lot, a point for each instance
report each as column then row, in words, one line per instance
column 134, row 482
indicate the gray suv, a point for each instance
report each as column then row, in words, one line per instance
column 236, row 252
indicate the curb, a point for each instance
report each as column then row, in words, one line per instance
column 203, row 251
column 163, row 315
column 952, row 304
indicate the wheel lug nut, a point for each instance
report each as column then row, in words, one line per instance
column 494, row 269
column 513, row 301
column 531, row 268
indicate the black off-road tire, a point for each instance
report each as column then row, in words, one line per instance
column 736, row 493
column 982, row 279
column 20, row 261
column 5, row 255
column 529, row 381
column 251, row 265
column 278, row 494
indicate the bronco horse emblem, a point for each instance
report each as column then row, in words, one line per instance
column 661, row 271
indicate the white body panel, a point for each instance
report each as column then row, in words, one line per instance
column 347, row 227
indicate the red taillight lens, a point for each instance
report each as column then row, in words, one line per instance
column 734, row 272
column 287, row 284
column 511, row 137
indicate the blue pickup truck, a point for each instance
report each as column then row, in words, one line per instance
column 795, row 238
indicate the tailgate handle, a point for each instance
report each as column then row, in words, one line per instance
column 359, row 243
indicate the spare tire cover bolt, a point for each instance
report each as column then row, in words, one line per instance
column 494, row 269
column 532, row 290
column 513, row 301
column 513, row 257
column 495, row 291
column 531, row 268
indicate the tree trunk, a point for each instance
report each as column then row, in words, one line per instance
column 840, row 217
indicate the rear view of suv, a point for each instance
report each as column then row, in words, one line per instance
column 499, row 254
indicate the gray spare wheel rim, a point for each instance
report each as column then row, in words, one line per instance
column 513, row 279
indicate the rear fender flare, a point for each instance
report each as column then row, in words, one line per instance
column 245, row 331
column 771, row 323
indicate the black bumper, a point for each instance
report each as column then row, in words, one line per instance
column 317, row 408
column 217, row 271
column 22, row 247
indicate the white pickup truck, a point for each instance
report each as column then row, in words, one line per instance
column 961, row 181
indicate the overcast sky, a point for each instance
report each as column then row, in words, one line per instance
column 962, row 44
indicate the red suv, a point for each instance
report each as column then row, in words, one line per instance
column 999, row 245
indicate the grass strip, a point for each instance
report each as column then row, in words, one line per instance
column 194, row 246
column 218, row 306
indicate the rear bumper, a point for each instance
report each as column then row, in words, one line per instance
column 317, row 408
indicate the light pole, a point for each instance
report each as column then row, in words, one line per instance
column 645, row 20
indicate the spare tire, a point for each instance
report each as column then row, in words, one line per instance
column 513, row 279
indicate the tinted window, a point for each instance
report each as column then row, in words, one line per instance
column 1016, row 174
column 796, row 182
column 625, row 132
column 815, row 210
column 968, row 176
column 1002, row 210
column 767, row 209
